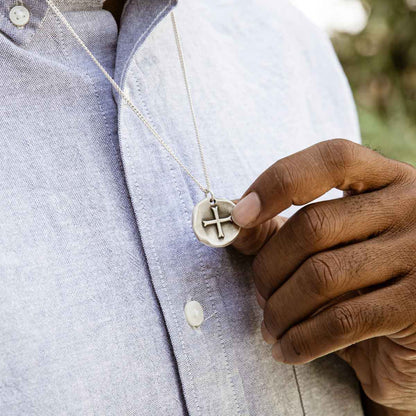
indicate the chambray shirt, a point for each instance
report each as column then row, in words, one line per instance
column 97, row 253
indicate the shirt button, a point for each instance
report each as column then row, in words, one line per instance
column 194, row 313
column 19, row 15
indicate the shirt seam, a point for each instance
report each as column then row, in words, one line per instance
column 299, row 390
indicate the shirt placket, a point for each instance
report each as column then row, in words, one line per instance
column 181, row 269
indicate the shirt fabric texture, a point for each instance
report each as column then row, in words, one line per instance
column 97, row 253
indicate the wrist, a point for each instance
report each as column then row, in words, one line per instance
column 374, row 409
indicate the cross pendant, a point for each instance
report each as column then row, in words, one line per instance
column 207, row 214
column 217, row 221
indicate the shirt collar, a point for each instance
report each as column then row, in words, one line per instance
column 37, row 10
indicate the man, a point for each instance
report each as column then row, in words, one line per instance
column 110, row 305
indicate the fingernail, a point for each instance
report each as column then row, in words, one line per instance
column 277, row 352
column 260, row 300
column 247, row 210
column 266, row 335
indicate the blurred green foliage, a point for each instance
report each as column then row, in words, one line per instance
column 380, row 63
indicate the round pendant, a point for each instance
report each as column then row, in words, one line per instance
column 212, row 222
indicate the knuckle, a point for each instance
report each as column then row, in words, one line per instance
column 339, row 155
column 338, row 151
column 314, row 222
column 316, row 226
column 324, row 272
column 287, row 179
column 343, row 321
column 345, row 149
column 296, row 344
column 281, row 177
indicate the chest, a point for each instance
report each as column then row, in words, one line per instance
column 97, row 253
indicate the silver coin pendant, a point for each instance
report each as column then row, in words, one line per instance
column 213, row 224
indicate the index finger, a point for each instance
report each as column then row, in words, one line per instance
column 304, row 176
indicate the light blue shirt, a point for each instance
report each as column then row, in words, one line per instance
column 97, row 253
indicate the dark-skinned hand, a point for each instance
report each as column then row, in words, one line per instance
column 339, row 275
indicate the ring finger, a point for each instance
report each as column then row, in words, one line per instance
column 330, row 274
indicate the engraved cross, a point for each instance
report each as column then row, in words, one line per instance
column 217, row 221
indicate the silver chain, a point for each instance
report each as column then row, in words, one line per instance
column 205, row 189
column 188, row 92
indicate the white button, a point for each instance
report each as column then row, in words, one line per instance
column 19, row 16
column 194, row 313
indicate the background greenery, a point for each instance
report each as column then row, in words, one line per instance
column 380, row 63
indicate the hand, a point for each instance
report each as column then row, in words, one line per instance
column 339, row 275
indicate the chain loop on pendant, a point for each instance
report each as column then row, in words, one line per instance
column 210, row 194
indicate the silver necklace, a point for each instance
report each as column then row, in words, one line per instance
column 211, row 218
